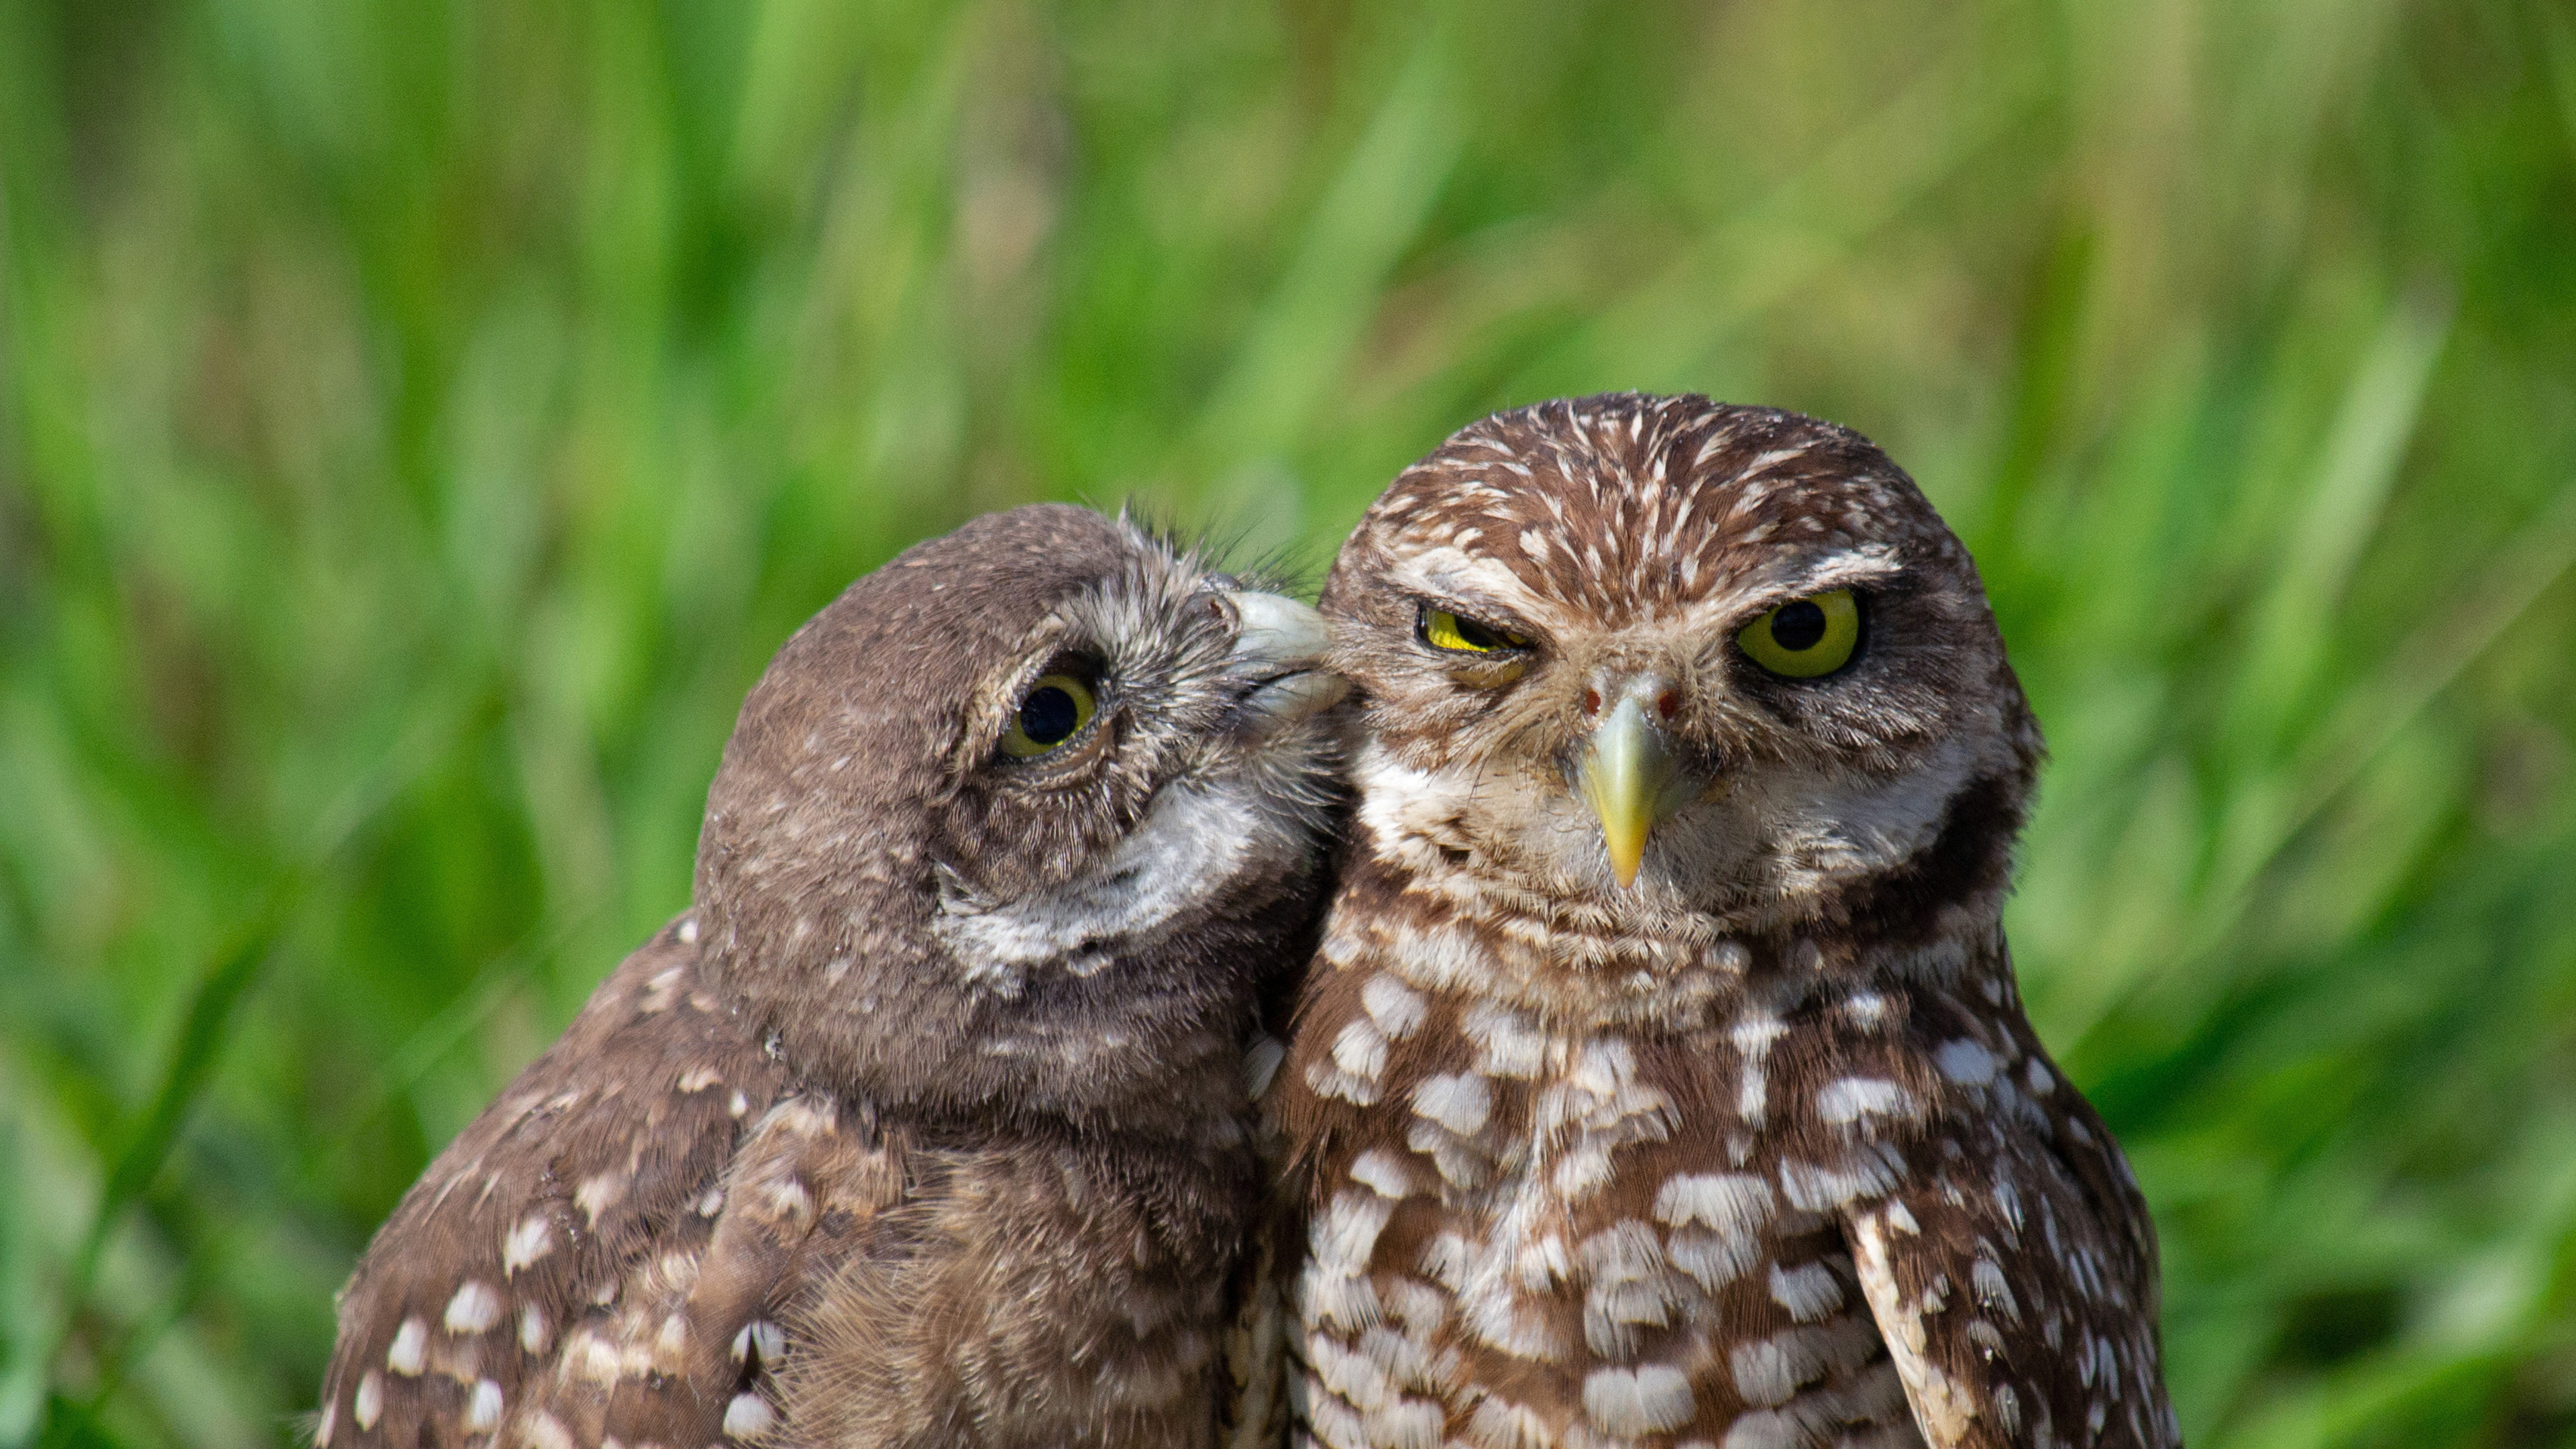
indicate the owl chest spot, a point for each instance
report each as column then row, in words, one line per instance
column 1617, row 1231
column 1586, row 1218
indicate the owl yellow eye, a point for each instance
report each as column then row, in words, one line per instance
column 1805, row 638
column 1444, row 630
column 1054, row 710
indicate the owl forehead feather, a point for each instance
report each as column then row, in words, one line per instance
column 1134, row 617
column 1630, row 506
column 869, row 695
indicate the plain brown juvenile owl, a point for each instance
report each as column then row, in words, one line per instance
column 1661, row 1078
column 928, row 1123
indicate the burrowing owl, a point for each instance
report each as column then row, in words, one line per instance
column 1661, row 1079
column 927, row 1123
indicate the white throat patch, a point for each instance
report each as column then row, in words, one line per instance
column 1193, row 843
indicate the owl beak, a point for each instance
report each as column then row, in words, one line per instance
column 1627, row 777
column 1279, row 644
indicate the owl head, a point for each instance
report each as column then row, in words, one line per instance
column 1660, row 656
column 1021, row 821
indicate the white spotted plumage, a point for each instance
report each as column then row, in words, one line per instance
column 1758, row 1151
column 931, row 1108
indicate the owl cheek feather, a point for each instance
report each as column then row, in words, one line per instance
column 1196, row 844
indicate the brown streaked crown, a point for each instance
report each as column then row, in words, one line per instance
column 1626, row 507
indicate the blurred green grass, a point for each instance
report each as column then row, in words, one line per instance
column 420, row 420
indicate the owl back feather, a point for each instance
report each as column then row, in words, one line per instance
column 608, row 1251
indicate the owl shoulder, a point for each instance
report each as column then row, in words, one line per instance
column 2011, row 1265
column 571, row 1258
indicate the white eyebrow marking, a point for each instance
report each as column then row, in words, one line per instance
column 1846, row 569
column 1453, row 573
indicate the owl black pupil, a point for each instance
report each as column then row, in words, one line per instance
column 1798, row 626
column 1476, row 635
column 1048, row 716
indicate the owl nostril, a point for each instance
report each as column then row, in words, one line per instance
column 1668, row 704
column 1592, row 701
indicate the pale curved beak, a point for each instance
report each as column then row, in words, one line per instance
column 1627, row 776
column 1281, row 644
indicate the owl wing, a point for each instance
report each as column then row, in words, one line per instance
column 2014, row 1276
column 1255, row 1414
column 607, row 1250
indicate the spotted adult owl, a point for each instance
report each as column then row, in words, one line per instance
column 927, row 1123
column 1661, row 1078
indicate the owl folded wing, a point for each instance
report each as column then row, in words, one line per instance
column 2013, row 1278
column 1255, row 1413
column 603, row 1253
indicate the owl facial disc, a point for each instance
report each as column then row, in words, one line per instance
column 1657, row 655
column 1198, row 826
column 1023, row 817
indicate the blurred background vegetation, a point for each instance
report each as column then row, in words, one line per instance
column 420, row 419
